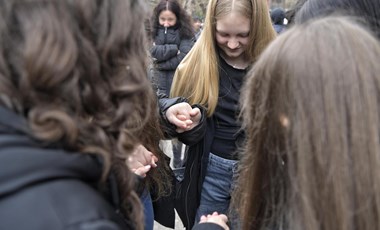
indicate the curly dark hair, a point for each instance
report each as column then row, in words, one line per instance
column 76, row 69
column 158, row 180
column 184, row 20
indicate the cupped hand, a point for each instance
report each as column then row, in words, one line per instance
column 219, row 219
column 183, row 116
column 141, row 161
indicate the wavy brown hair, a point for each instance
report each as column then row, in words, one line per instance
column 76, row 70
column 159, row 179
column 311, row 108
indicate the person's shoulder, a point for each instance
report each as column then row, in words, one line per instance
column 59, row 204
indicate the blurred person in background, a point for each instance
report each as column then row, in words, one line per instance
column 198, row 26
column 173, row 37
column 278, row 16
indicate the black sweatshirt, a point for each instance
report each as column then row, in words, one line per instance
column 227, row 134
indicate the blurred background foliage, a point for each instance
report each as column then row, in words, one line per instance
column 198, row 7
column 193, row 7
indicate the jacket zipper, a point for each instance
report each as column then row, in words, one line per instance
column 165, row 35
column 187, row 192
column 167, row 8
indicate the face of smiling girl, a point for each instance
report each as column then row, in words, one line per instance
column 167, row 18
column 232, row 35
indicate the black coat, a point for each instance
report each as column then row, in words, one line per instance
column 46, row 187
column 189, row 190
column 168, row 51
column 198, row 140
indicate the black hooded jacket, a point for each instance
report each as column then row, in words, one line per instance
column 49, row 188
column 168, row 51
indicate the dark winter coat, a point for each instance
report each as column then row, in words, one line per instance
column 199, row 139
column 189, row 190
column 184, row 201
column 46, row 187
column 167, row 52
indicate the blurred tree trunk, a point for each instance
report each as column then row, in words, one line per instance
column 193, row 7
column 188, row 6
column 198, row 7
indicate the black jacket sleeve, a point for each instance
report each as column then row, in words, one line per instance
column 162, row 53
column 164, row 103
column 193, row 136
column 190, row 137
column 172, row 63
column 207, row 226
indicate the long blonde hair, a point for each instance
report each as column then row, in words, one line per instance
column 197, row 77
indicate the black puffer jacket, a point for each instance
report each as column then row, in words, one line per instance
column 48, row 188
column 168, row 51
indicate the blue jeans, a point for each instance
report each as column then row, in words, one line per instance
column 217, row 186
column 146, row 201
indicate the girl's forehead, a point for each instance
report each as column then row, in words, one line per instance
column 167, row 13
column 233, row 23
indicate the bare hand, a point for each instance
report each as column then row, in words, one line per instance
column 141, row 161
column 219, row 219
column 183, row 116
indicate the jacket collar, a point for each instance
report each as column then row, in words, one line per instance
column 13, row 121
column 25, row 161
